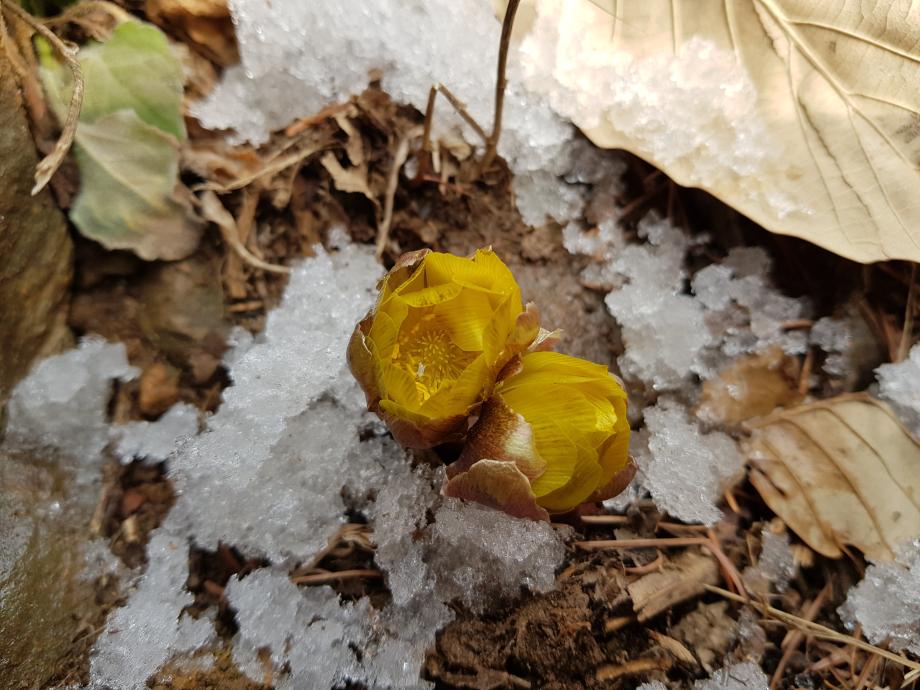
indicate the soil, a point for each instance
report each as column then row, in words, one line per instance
column 173, row 319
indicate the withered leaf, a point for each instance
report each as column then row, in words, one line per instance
column 749, row 387
column 840, row 472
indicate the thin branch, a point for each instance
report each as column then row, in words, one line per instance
column 816, row 629
column 49, row 165
column 907, row 333
column 213, row 210
column 323, row 578
column 501, row 83
column 460, row 107
column 399, row 158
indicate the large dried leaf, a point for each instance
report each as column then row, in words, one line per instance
column 840, row 471
column 127, row 143
column 128, row 176
column 815, row 110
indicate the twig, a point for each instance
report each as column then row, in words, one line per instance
column 709, row 543
column 639, row 543
column 399, row 158
column 425, row 159
column 275, row 165
column 631, row 668
column 816, row 629
column 323, row 578
column 907, row 333
column 805, row 375
column 795, row 637
column 624, row 520
column 501, row 83
column 48, row 165
column 460, row 107
column 648, row 567
column 214, row 211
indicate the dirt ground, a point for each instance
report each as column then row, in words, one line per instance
column 174, row 317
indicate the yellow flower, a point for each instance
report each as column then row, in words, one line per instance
column 554, row 435
column 428, row 354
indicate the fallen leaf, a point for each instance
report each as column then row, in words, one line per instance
column 802, row 115
column 839, row 472
column 129, row 201
column 126, row 144
column 751, row 386
column 352, row 180
column 205, row 23
column 677, row 581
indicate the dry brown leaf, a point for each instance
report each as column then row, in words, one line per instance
column 751, row 386
column 206, row 23
column 352, row 180
column 679, row 580
column 830, row 131
column 354, row 144
column 840, row 472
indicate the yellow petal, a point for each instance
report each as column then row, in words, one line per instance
column 383, row 334
column 465, row 318
column 430, row 296
column 472, row 386
column 585, row 477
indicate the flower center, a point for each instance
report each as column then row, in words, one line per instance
column 429, row 355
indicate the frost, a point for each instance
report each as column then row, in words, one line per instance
column 287, row 431
column 273, row 472
column 733, row 308
column 299, row 627
column 775, row 564
column 541, row 195
column 154, row 441
column 899, row 384
column 651, row 308
column 469, row 553
column 744, row 676
column 886, row 603
column 62, row 403
column 696, row 109
column 297, row 57
column 686, row 469
column 150, row 628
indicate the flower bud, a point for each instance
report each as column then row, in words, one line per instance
column 429, row 352
column 553, row 435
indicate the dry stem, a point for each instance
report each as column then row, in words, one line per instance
column 816, row 629
column 399, row 158
column 48, row 165
column 501, row 83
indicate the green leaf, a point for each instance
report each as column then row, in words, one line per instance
column 127, row 200
column 135, row 69
column 126, row 142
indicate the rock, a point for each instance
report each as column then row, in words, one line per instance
column 36, row 252
column 45, row 594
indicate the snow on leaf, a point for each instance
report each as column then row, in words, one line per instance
column 804, row 116
column 127, row 142
column 840, row 471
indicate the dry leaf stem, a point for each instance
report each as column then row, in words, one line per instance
column 501, row 83
column 48, row 165
column 907, row 333
column 815, row 629
column 399, row 159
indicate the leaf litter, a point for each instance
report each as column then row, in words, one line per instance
column 544, row 624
